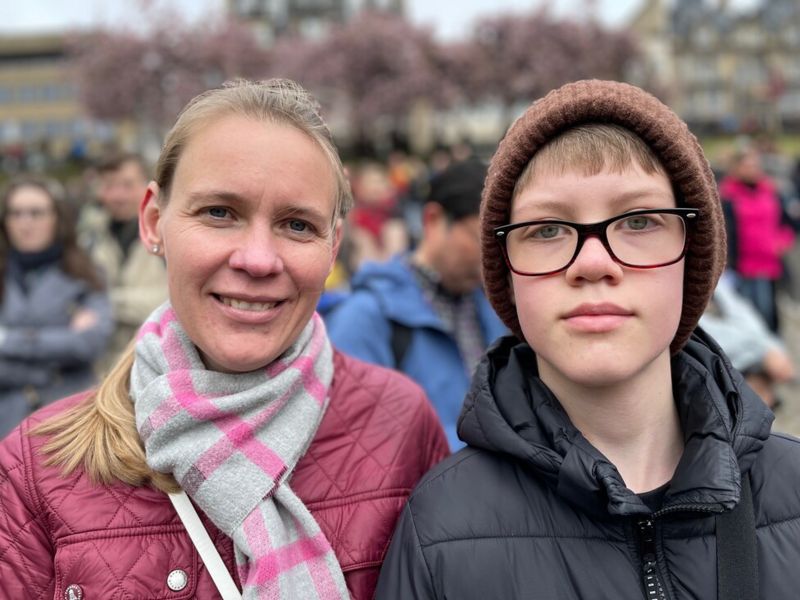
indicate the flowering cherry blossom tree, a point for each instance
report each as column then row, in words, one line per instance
column 518, row 58
column 147, row 75
column 371, row 71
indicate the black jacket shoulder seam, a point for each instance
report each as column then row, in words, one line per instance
column 472, row 452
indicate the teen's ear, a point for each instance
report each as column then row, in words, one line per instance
column 150, row 219
column 512, row 296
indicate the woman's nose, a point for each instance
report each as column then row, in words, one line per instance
column 593, row 263
column 257, row 252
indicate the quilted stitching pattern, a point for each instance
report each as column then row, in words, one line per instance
column 371, row 474
column 18, row 524
column 139, row 572
column 376, row 440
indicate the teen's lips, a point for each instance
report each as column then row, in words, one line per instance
column 597, row 318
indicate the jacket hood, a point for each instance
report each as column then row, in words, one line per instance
column 509, row 410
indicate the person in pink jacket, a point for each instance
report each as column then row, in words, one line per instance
column 231, row 403
column 757, row 234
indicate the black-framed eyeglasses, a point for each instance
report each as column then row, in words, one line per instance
column 643, row 239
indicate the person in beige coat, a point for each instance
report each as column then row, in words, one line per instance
column 136, row 279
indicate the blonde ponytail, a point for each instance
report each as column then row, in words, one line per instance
column 100, row 435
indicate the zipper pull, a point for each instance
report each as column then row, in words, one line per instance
column 653, row 588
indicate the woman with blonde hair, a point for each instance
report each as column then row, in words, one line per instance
column 231, row 402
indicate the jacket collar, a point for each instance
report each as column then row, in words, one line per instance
column 509, row 410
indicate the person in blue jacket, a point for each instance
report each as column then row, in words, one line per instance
column 424, row 312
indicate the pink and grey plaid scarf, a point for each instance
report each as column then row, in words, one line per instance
column 232, row 441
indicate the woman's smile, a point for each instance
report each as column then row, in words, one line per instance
column 248, row 312
column 247, row 305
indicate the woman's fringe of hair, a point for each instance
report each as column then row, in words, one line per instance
column 100, row 435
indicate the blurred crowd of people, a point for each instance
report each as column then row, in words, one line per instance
column 405, row 291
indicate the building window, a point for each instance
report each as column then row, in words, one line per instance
column 703, row 37
column 27, row 94
column 56, row 129
column 708, row 103
column 749, row 73
column 313, row 29
column 704, row 69
column 250, row 8
column 749, row 37
column 58, row 92
column 791, row 70
column 791, row 35
column 6, row 95
column 30, row 131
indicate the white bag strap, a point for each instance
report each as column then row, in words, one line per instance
column 205, row 547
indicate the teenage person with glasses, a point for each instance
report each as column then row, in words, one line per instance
column 613, row 452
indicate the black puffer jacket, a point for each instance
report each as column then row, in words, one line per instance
column 533, row 511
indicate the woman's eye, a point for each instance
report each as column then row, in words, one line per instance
column 218, row 212
column 298, row 226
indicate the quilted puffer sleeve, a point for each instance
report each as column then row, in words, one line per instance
column 26, row 553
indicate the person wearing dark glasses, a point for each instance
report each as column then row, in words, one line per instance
column 612, row 450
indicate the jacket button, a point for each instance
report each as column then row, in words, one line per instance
column 177, row 580
column 73, row 592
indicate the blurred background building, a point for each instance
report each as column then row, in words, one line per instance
column 40, row 110
column 309, row 18
column 727, row 70
column 386, row 82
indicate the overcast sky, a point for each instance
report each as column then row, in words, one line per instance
column 450, row 18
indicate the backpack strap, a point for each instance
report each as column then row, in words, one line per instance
column 401, row 340
column 737, row 552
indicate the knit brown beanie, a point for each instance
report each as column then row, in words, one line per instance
column 595, row 101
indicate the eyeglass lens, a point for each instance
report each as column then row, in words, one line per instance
column 31, row 213
column 638, row 240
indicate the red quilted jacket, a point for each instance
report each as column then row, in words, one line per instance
column 378, row 436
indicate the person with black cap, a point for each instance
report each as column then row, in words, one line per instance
column 425, row 312
column 613, row 452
